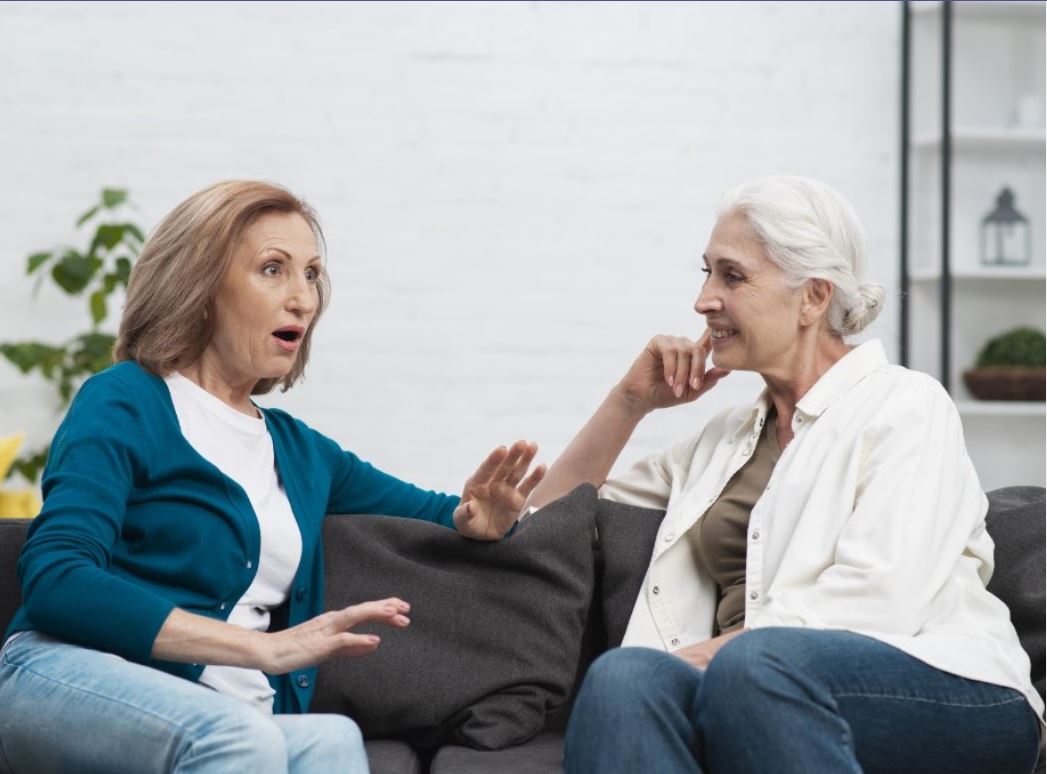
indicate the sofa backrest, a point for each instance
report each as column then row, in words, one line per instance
column 12, row 536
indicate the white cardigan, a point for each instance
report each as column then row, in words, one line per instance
column 873, row 521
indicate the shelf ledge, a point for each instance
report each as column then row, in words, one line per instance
column 1016, row 139
column 1023, row 273
column 1001, row 408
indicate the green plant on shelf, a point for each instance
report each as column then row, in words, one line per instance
column 98, row 270
column 1018, row 347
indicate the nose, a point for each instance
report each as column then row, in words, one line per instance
column 708, row 299
column 302, row 297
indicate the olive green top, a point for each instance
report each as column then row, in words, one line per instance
column 719, row 537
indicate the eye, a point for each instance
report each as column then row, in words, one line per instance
column 313, row 274
column 733, row 278
column 272, row 269
column 707, row 271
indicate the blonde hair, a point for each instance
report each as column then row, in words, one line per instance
column 169, row 314
column 811, row 232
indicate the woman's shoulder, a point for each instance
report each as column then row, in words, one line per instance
column 123, row 381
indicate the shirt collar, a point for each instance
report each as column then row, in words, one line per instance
column 841, row 376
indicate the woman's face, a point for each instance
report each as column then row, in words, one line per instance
column 754, row 315
column 267, row 299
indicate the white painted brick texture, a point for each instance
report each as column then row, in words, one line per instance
column 515, row 195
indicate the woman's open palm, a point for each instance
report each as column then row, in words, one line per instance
column 496, row 493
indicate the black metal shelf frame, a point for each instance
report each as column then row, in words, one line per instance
column 945, row 279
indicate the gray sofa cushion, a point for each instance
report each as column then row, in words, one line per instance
column 626, row 541
column 541, row 755
column 391, row 756
column 1017, row 522
column 12, row 536
column 496, row 627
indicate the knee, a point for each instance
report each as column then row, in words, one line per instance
column 337, row 736
column 753, row 671
column 628, row 681
column 238, row 739
column 622, row 672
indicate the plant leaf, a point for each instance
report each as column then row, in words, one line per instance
column 35, row 261
column 113, row 197
column 27, row 355
column 108, row 235
column 98, row 310
column 30, row 465
column 123, row 270
column 74, row 271
column 87, row 216
column 134, row 231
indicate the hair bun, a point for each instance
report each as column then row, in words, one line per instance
column 868, row 302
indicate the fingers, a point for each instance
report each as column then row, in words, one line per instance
column 488, row 467
column 350, row 644
column 679, row 358
column 390, row 611
column 699, row 355
column 532, row 481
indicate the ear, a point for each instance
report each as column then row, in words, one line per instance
column 817, row 293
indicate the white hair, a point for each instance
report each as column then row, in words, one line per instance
column 811, row 232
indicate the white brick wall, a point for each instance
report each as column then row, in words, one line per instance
column 515, row 195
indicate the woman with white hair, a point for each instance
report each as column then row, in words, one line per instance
column 815, row 600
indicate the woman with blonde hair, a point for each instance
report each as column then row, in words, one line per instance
column 816, row 598
column 179, row 518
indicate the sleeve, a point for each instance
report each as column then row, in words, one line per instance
column 359, row 487
column 917, row 502
column 68, row 589
column 649, row 482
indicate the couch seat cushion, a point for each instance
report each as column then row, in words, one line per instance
column 541, row 755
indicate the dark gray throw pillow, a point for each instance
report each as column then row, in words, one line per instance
column 495, row 630
column 1017, row 523
column 626, row 536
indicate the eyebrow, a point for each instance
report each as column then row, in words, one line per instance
column 728, row 261
column 286, row 254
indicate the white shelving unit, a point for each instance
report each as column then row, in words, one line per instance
column 997, row 138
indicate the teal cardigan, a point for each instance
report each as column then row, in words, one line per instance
column 136, row 523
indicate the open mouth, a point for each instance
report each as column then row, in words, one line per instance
column 724, row 333
column 289, row 337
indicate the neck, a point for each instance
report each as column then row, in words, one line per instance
column 813, row 356
column 209, row 375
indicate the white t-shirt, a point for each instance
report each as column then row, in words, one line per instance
column 241, row 448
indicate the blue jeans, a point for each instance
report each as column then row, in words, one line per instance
column 64, row 708
column 789, row 700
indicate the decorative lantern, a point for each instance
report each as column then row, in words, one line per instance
column 1005, row 234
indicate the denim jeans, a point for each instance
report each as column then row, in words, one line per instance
column 790, row 700
column 64, row 708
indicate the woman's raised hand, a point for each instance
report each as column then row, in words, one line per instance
column 328, row 635
column 670, row 371
column 496, row 493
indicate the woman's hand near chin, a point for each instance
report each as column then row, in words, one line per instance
column 669, row 372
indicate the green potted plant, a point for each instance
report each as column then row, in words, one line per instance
column 98, row 270
column 1011, row 366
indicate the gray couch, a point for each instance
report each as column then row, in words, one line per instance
column 459, row 653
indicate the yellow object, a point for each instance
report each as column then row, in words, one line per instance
column 18, row 503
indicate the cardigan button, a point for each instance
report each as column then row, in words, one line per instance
column 303, row 681
column 754, row 595
column 655, row 590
